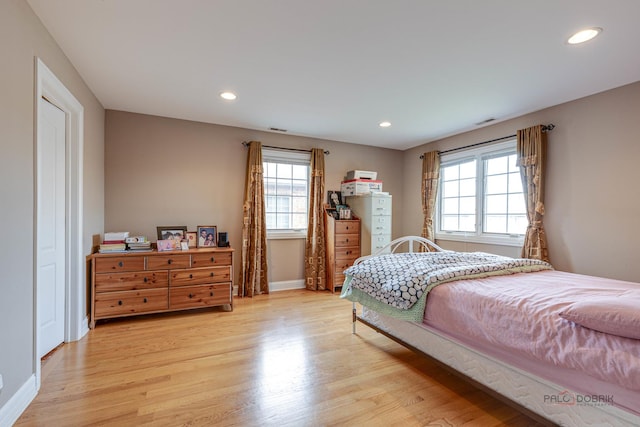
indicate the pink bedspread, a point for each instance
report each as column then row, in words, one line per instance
column 518, row 315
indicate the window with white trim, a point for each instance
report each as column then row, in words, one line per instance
column 286, row 192
column 480, row 197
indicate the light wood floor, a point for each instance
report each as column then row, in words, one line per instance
column 288, row 358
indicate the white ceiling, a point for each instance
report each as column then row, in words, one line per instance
column 334, row 69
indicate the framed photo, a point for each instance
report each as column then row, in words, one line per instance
column 175, row 232
column 192, row 239
column 207, row 236
column 166, row 245
column 334, row 198
column 184, row 245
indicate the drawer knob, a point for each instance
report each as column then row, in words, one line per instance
column 169, row 261
column 212, row 274
column 210, row 294
column 213, row 259
column 121, row 264
column 119, row 302
column 190, row 295
column 346, row 240
column 347, row 227
column 145, row 280
column 191, row 276
column 144, row 300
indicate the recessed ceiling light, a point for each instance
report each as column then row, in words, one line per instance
column 584, row 35
column 384, row 124
column 229, row 96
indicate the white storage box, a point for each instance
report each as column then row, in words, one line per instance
column 355, row 174
column 355, row 187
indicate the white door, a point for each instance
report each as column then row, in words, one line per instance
column 51, row 233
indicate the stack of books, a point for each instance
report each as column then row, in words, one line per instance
column 138, row 244
column 114, row 242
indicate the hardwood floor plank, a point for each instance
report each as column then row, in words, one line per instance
column 287, row 358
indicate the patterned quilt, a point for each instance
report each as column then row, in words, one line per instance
column 400, row 281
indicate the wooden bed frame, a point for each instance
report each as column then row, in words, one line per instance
column 517, row 387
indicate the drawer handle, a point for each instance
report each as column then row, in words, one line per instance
column 121, row 264
column 346, row 240
column 213, row 259
column 169, row 261
column 348, row 252
column 212, row 274
column 347, row 227
column 120, row 302
column 190, row 295
column 191, row 276
column 210, row 294
column 145, row 280
column 144, row 300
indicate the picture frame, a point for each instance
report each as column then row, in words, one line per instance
column 174, row 232
column 166, row 245
column 207, row 236
column 192, row 239
column 184, row 245
column 334, row 198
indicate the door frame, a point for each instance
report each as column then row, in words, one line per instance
column 76, row 320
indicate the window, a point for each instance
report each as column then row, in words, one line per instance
column 286, row 191
column 480, row 198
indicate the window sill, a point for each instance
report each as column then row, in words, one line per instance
column 286, row 235
column 484, row 240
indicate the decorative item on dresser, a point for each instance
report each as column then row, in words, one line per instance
column 374, row 210
column 342, row 238
column 126, row 284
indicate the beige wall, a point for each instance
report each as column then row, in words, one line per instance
column 592, row 202
column 22, row 38
column 162, row 171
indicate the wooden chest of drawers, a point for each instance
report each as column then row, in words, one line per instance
column 129, row 284
column 343, row 248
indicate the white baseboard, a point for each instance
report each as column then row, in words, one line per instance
column 286, row 285
column 11, row 411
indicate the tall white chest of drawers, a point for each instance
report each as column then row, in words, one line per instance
column 374, row 211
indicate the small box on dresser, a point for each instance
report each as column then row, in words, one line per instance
column 128, row 284
column 342, row 238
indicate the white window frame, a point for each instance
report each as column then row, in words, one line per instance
column 290, row 157
column 479, row 154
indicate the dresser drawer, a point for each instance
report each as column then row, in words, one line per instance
column 347, row 227
column 338, row 279
column 381, row 224
column 343, row 264
column 125, row 263
column 161, row 262
column 108, row 282
column 210, row 259
column 347, row 240
column 199, row 276
column 128, row 302
column 200, row 296
column 348, row 252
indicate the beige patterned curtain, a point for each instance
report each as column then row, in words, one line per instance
column 532, row 153
column 430, row 179
column 315, row 252
column 254, row 229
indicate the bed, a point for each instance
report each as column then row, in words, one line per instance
column 563, row 347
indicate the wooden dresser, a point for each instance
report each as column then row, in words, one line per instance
column 129, row 284
column 343, row 247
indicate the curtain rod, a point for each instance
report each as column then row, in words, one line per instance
column 246, row 144
column 545, row 128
